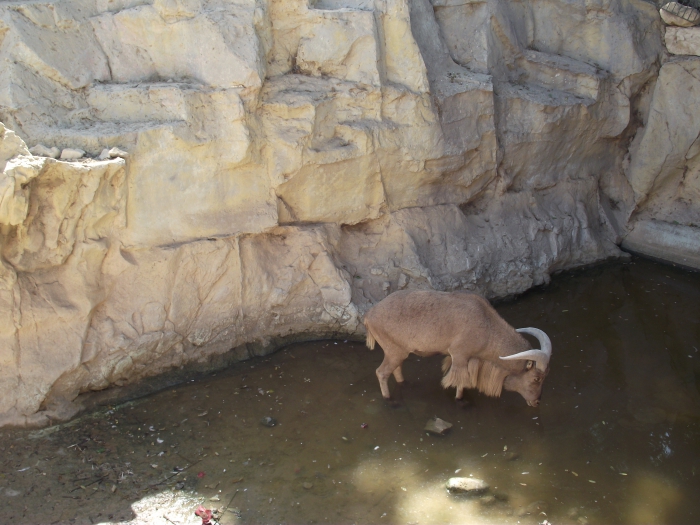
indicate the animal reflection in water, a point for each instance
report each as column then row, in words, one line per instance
column 483, row 351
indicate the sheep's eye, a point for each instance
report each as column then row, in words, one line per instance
column 537, row 380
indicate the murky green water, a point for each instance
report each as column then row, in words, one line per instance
column 615, row 440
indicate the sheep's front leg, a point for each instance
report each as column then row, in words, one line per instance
column 398, row 374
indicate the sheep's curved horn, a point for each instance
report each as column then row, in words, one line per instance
column 540, row 357
column 545, row 343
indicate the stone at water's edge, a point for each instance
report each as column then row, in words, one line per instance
column 472, row 486
column 675, row 243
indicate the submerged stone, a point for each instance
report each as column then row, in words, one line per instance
column 487, row 500
column 438, row 426
column 467, row 486
column 650, row 415
column 268, row 421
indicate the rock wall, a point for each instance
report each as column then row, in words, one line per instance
column 291, row 162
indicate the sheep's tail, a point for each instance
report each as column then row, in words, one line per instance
column 370, row 341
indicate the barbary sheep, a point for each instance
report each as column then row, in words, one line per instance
column 483, row 351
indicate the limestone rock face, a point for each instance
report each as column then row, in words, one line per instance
column 664, row 167
column 261, row 172
column 675, row 14
column 683, row 40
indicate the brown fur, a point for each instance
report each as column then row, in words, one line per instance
column 462, row 326
column 491, row 379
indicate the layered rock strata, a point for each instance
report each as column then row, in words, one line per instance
column 291, row 162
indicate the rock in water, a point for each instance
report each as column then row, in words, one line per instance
column 487, row 500
column 438, row 426
column 467, row 486
column 268, row 421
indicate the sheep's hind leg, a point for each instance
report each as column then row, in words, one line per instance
column 394, row 356
column 385, row 370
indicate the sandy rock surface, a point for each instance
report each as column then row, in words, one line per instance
column 257, row 173
column 686, row 17
column 683, row 40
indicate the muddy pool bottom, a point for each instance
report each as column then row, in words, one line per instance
column 615, row 440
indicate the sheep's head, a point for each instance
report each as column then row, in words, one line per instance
column 528, row 383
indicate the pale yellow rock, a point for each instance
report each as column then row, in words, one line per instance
column 462, row 17
column 9, row 348
column 141, row 44
column 305, row 119
column 42, row 151
column 675, row 14
column 341, row 44
column 659, row 156
column 403, row 60
column 345, row 192
column 207, row 195
column 14, row 188
column 10, row 145
column 72, row 154
column 61, row 50
column 69, row 203
column 610, row 42
column 174, row 10
column 683, row 40
column 63, row 310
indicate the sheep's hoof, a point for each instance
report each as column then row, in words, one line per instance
column 392, row 402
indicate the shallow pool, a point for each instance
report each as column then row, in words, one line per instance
column 616, row 438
